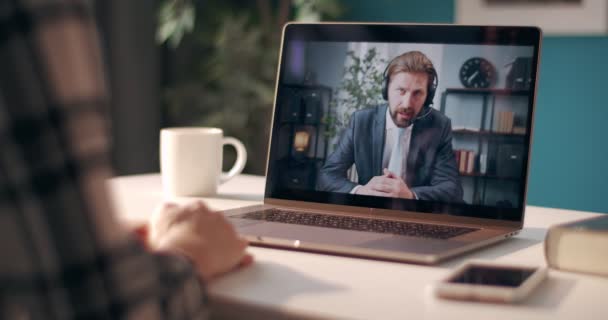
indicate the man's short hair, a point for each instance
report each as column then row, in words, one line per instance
column 412, row 61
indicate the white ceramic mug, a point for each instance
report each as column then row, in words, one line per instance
column 191, row 160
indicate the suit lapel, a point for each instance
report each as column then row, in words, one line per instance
column 378, row 140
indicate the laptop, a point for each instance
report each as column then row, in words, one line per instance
column 400, row 142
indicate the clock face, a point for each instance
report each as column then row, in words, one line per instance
column 477, row 73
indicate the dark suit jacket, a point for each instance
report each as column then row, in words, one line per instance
column 431, row 171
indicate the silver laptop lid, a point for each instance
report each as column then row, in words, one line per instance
column 421, row 118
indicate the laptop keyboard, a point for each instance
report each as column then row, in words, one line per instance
column 411, row 229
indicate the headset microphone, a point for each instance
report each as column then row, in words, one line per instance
column 427, row 111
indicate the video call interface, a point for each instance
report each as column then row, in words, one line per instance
column 447, row 123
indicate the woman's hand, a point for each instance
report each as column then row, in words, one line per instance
column 204, row 236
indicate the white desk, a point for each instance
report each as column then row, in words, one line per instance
column 285, row 283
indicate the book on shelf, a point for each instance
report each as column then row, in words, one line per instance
column 470, row 161
column 465, row 160
column 504, row 121
column 460, row 159
column 579, row 246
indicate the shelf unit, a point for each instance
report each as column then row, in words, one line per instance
column 302, row 107
column 484, row 135
column 488, row 176
column 488, row 133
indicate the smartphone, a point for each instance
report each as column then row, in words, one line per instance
column 478, row 281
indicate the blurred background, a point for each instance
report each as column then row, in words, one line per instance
column 213, row 63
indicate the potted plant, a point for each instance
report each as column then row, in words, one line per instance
column 361, row 87
column 223, row 59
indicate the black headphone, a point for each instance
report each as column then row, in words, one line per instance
column 430, row 90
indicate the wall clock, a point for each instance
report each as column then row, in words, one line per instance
column 477, row 72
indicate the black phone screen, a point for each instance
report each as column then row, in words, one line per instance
column 493, row 276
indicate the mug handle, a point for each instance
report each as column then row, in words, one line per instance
column 241, row 158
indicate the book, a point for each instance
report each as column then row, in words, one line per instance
column 470, row 161
column 505, row 121
column 483, row 163
column 457, row 156
column 579, row 246
column 462, row 160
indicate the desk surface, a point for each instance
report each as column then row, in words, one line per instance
column 287, row 283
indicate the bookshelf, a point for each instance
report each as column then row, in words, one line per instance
column 497, row 138
column 488, row 176
column 304, row 144
column 478, row 91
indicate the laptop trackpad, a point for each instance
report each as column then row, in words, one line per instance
column 411, row 244
column 309, row 233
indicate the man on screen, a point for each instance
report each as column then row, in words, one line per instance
column 400, row 150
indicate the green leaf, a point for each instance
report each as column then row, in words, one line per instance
column 188, row 18
column 166, row 30
column 176, row 18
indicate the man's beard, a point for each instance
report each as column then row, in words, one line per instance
column 404, row 123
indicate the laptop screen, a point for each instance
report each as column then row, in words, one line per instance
column 434, row 119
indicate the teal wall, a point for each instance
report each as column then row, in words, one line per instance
column 569, row 167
